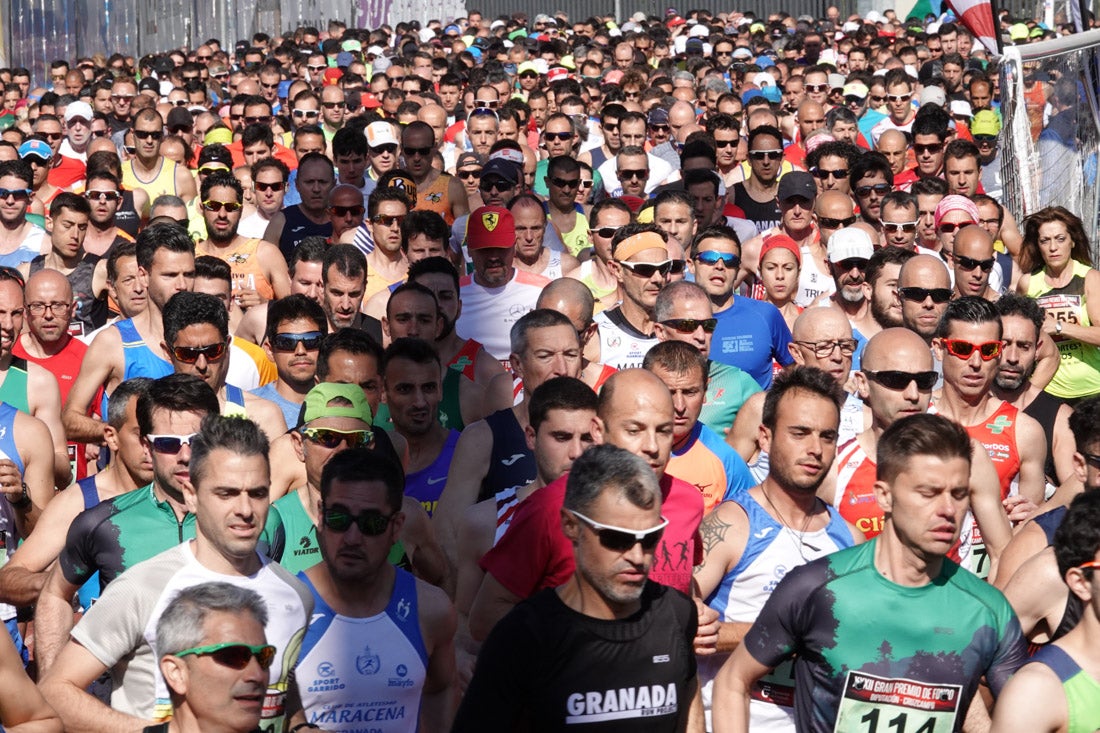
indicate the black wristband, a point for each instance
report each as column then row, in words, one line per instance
column 24, row 501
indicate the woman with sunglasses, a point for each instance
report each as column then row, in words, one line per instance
column 1059, row 274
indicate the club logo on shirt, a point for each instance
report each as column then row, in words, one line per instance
column 644, row 701
column 403, row 608
column 368, row 662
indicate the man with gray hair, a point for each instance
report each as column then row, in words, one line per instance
column 215, row 658
column 118, row 633
column 611, row 516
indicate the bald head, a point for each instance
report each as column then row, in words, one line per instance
column 49, row 280
column 893, row 347
column 680, row 113
column 811, row 116
column 571, row 298
column 433, row 114
column 891, row 138
column 626, row 389
column 345, row 194
column 821, row 323
column 924, row 271
column 834, row 205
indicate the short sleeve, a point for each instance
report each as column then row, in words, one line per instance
column 524, row 555
column 774, row 636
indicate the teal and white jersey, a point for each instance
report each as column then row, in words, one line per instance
column 876, row 657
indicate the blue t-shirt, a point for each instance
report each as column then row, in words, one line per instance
column 750, row 334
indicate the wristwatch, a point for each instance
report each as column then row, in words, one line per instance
column 24, row 501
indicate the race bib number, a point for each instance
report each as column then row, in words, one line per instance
column 776, row 687
column 874, row 704
column 1062, row 308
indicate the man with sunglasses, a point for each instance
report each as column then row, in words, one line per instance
column 72, row 153
column 259, row 272
column 1062, row 673
column 822, row 609
column 214, row 657
column 750, row 334
column 20, row 239
column 872, row 179
column 616, row 538
column 148, row 169
column 410, row 637
column 269, row 181
column 756, row 195
column 226, row 490
column 973, row 260
column 849, row 251
column 296, row 325
column 103, row 192
column 968, row 342
column 387, row 265
column 899, row 104
column 435, row 190
column 752, row 531
column 196, row 338
column 640, row 263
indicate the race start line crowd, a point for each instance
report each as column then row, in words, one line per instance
column 546, row 374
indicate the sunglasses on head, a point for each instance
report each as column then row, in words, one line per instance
column 649, row 269
column 168, row 443
column 370, row 522
column 332, row 438
column 191, row 354
column 689, row 325
column 839, row 174
column 311, row 340
column 948, row 227
column 216, row 206
column 962, row 349
column 233, row 655
column 969, row 263
column 618, row 539
column 919, row 295
column 897, row 380
column 353, row 210
column 711, row 257
column 774, row 154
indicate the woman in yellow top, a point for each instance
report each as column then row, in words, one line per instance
column 1058, row 273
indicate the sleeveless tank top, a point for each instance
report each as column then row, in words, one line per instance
column 855, row 496
column 1079, row 372
column 621, row 345
column 234, row 402
column 138, row 359
column 511, row 462
column 588, row 277
column 507, row 501
column 1082, row 691
column 9, row 533
column 427, row 484
column 765, row 215
column 437, row 198
column 297, row 227
column 91, row 312
column 127, row 217
column 1044, row 410
column 164, row 182
column 364, row 673
column 812, row 280
column 245, row 269
column 772, row 549
column 13, row 392
column 575, row 239
column 465, row 359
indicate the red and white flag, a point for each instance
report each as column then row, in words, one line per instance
column 978, row 17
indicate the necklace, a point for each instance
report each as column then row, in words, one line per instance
column 799, row 537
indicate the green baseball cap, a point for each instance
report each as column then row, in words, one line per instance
column 349, row 398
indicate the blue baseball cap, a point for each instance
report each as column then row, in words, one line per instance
column 772, row 94
column 38, row 148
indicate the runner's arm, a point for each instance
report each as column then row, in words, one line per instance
column 96, row 370
column 24, row 575
column 1032, row 444
column 985, row 502
column 730, row 696
column 1016, row 710
column 274, row 231
column 63, row 687
column 437, row 620
column 22, row 707
column 44, row 400
column 275, row 267
column 468, row 468
column 745, row 432
column 32, row 441
column 492, row 603
column 53, row 617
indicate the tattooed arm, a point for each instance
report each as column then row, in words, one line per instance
column 725, row 534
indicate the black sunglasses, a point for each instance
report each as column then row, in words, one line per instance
column 311, row 340
column 618, row 539
column 969, row 263
column 688, row 325
column 918, row 295
column 370, row 522
column 897, row 380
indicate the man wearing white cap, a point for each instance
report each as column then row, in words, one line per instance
column 850, row 249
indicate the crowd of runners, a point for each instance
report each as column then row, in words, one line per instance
column 539, row 374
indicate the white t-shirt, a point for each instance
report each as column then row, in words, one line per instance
column 488, row 313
